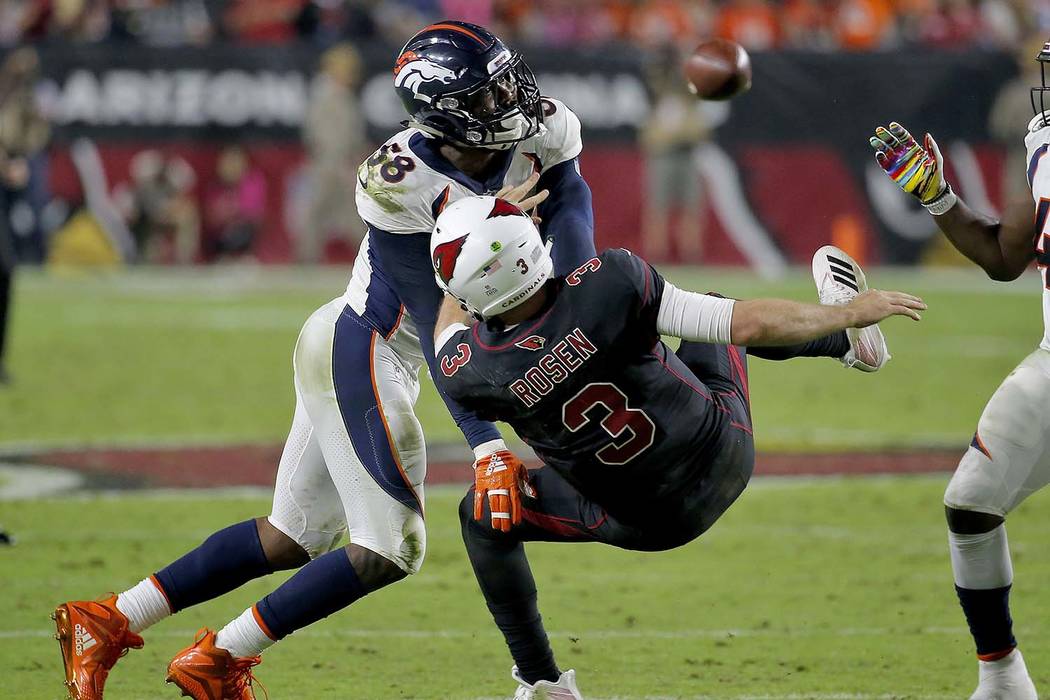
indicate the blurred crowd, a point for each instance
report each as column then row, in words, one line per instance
column 858, row 25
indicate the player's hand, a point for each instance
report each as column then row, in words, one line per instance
column 500, row 477
column 918, row 170
column 875, row 305
column 519, row 195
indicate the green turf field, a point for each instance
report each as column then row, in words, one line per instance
column 158, row 356
column 835, row 588
column 838, row 588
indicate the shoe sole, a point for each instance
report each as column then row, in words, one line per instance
column 64, row 635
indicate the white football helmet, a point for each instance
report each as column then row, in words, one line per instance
column 488, row 254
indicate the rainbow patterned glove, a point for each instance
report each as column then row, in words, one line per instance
column 917, row 170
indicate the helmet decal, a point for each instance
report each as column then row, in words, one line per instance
column 403, row 59
column 504, row 208
column 416, row 72
column 445, row 256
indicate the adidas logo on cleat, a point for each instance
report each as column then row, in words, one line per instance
column 82, row 640
column 842, row 272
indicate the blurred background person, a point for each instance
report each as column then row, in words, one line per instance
column 671, row 137
column 234, row 206
column 7, row 262
column 1011, row 112
column 24, row 135
column 160, row 210
column 335, row 140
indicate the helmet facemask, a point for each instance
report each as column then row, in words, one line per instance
column 499, row 113
column 1040, row 102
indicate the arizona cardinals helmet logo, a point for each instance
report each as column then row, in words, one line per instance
column 533, row 342
column 504, row 208
column 445, row 256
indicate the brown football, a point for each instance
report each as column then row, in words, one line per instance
column 718, row 69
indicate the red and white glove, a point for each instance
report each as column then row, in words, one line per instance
column 500, row 476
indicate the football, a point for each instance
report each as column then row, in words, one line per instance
column 718, row 69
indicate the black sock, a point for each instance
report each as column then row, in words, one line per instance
column 988, row 615
column 506, row 581
column 835, row 345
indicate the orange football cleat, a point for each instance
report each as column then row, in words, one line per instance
column 205, row 672
column 93, row 635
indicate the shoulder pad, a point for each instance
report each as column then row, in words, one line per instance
column 562, row 140
column 395, row 192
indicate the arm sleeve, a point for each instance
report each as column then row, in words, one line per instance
column 412, row 278
column 697, row 317
column 567, row 216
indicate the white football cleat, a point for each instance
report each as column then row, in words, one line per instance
column 564, row 689
column 839, row 279
column 1005, row 679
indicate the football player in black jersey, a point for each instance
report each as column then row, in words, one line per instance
column 643, row 448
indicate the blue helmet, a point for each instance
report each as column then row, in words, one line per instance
column 459, row 81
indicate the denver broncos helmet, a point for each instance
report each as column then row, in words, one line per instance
column 459, row 81
column 1038, row 92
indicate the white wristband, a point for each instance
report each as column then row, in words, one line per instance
column 943, row 202
column 486, row 448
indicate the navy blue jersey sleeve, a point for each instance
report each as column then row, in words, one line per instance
column 405, row 258
column 567, row 216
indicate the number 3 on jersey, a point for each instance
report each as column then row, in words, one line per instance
column 632, row 431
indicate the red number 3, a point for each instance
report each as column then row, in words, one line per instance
column 631, row 429
column 451, row 364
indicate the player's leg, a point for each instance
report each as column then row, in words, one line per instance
column 1008, row 459
column 834, row 346
column 224, row 561
column 359, row 401
column 554, row 512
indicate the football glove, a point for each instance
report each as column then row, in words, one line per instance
column 916, row 169
column 501, row 477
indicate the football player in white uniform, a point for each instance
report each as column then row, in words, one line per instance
column 355, row 459
column 1009, row 456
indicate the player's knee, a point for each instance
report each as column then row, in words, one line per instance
column 287, row 551
column 971, row 522
column 281, row 551
column 466, row 508
column 975, row 500
column 375, row 570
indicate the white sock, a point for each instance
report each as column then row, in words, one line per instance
column 981, row 562
column 144, row 605
column 243, row 636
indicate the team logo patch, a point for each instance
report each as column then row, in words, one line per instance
column 412, row 72
column 504, row 208
column 533, row 342
column 445, row 256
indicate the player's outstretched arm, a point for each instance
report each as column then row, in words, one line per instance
column 1003, row 248
column 766, row 322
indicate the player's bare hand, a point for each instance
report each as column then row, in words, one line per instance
column 875, row 305
column 519, row 195
column 500, row 477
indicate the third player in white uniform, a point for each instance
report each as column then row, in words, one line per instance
column 1009, row 456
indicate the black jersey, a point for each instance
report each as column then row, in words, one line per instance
column 591, row 388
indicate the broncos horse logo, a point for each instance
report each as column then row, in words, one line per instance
column 411, row 72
